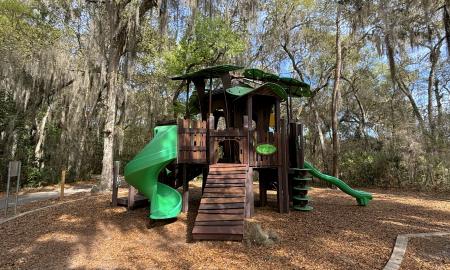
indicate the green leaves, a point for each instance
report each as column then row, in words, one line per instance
column 211, row 41
column 23, row 28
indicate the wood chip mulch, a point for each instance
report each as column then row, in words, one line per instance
column 337, row 234
column 428, row 253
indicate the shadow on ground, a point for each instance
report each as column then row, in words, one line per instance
column 337, row 234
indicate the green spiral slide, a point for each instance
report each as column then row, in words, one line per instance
column 362, row 197
column 142, row 173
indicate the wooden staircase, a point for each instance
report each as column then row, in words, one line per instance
column 221, row 211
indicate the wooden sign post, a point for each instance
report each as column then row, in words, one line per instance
column 13, row 171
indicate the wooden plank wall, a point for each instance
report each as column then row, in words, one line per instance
column 258, row 160
column 192, row 141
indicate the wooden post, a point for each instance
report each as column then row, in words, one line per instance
column 185, row 205
column 226, row 83
column 250, row 127
column 249, row 196
column 246, row 147
column 199, row 84
column 205, row 172
column 287, row 110
column 292, row 142
column 300, row 147
column 290, row 109
column 293, row 155
column 115, row 183
column 277, row 115
column 186, row 115
column 62, row 183
column 262, row 190
column 283, row 192
column 280, row 167
column 210, row 97
column 211, row 154
column 131, row 197
column 286, row 171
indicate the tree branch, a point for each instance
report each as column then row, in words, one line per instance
column 292, row 58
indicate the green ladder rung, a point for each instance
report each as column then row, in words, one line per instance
column 303, row 208
column 302, row 188
column 301, row 198
column 302, row 178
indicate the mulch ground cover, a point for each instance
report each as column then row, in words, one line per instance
column 428, row 253
column 337, row 234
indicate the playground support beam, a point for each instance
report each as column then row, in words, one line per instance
column 210, row 97
column 132, row 192
column 250, row 126
column 283, row 189
column 249, row 196
column 185, row 206
column 186, row 114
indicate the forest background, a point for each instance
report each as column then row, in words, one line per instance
column 83, row 82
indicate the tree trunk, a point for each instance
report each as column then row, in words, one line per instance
column 335, row 97
column 321, row 137
column 38, row 151
column 117, row 42
column 363, row 120
column 438, row 97
column 110, row 121
column 396, row 81
column 446, row 17
column 431, row 77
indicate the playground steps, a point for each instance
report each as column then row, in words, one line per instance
column 300, row 199
column 221, row 211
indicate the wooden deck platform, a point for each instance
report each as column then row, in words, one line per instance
column 139, row 201
column 221, row 211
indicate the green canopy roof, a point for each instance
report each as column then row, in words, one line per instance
column 292, row 86
column 209, row 72
column 241, row 91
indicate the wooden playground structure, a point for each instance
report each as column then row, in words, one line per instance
column 237, row 115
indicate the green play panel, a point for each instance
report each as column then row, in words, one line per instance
column 266, row 149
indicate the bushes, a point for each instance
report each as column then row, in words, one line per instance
column 399, row 164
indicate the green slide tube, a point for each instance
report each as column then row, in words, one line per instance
column 142, row 173
column 362, row 197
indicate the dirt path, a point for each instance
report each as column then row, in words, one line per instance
column 337, row 234
column 44, row 195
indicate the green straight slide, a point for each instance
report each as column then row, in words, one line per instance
column 362, row 197
column 142, row 173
